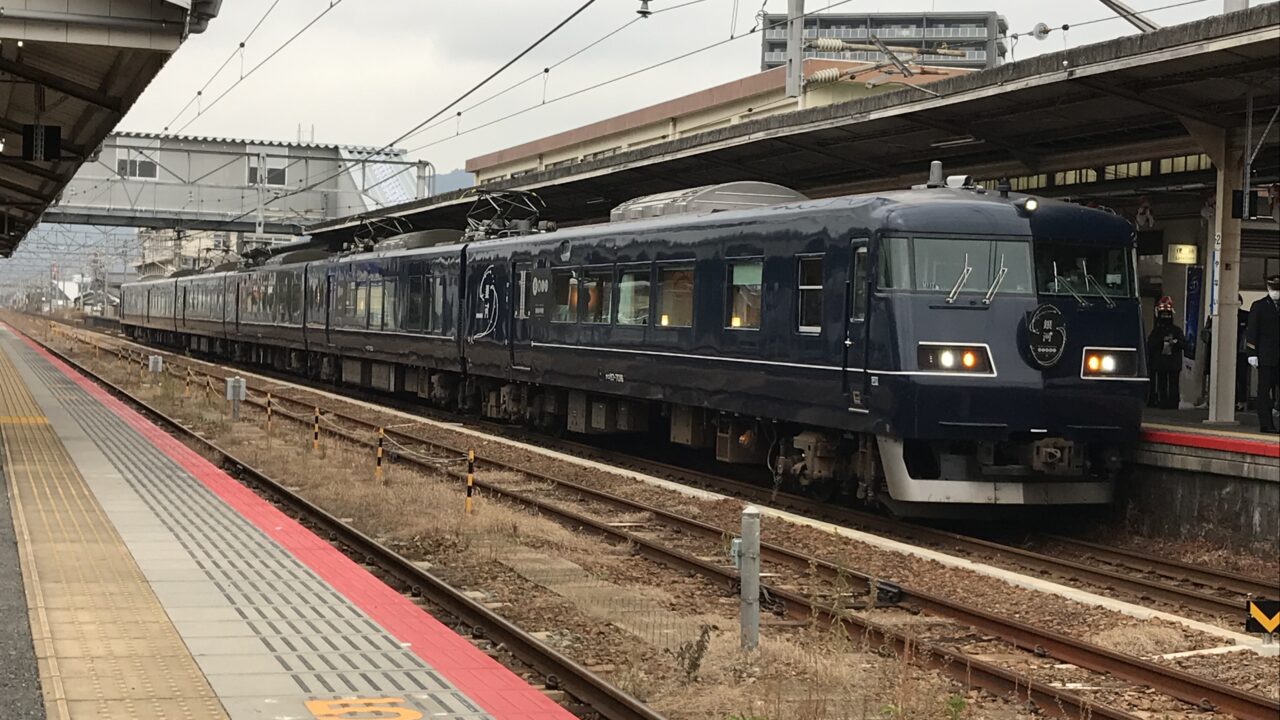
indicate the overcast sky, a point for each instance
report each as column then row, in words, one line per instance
column 372, row 69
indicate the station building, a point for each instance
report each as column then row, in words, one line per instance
column 756, row 96
column 979, row 34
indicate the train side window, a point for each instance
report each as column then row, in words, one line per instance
column 859, row 285
column 523, row 293
column 598, row 287
column 375, row 305
column 360, row 315
column 633, row 297
column 895, row 263
column 413, row 304
column 675, row 296
column 390, row 304
column 564, row 293
column 437, row 304
column 743, row 306
column 809, row 294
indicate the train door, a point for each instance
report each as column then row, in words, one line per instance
column 856, row 379
column 521, row 306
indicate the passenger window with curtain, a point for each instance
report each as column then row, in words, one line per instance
column 895, row 264
column 437, row 304
column 743, row 307
column 390, row 304
column 675, row 296
column 413, row 304
column 809, row 294
column 375, row 305
column 598, row 286
column 859, row 285
column 564, row 296
column 633, row 297
column 523, row 293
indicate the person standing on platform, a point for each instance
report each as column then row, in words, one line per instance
column 1164, row 357
column 1263, row 337
column 1242, row 355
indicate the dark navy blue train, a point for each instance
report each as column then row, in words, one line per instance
column 932, row 349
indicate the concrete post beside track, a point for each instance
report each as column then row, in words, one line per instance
column 749, row 578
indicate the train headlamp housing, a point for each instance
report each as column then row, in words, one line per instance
column 1104, row 363
column 1026, row 206
column 958, row 358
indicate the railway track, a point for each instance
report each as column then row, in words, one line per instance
column 594, row 694
column 1174, row 584
column 1194, row 690
column 1114, row 571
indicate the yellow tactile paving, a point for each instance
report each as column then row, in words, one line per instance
column 105, row 647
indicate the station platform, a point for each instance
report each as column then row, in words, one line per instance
column 1188, row 428
column 156, row 586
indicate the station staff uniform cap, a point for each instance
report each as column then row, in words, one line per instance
column 1273, row 281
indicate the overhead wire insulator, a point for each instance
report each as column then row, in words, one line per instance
column 827, row 44
column 825, row 76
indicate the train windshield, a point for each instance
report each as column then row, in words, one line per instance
column 960, row 265
column 1066, row 269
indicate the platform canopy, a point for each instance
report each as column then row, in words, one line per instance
column 68, row 79
column 1125, row 99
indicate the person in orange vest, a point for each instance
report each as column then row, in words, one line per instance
column 1164, row 357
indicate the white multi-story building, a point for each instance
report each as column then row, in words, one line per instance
column 978, row 34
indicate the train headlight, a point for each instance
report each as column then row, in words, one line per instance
column 958, row 358
column 1100, row 363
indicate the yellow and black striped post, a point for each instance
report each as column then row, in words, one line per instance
column 315, row 431
column 377, row 463
column 268, row 416
column 471, row 477
column 186, row 385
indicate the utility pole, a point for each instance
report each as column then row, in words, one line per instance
column 795, row 48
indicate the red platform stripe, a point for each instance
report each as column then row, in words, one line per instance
column 493, row 687
column 1261, row 448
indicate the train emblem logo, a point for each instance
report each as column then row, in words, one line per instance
column 1046, row 335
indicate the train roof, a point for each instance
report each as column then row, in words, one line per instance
column 957, row 211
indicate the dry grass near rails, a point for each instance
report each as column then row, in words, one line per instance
column 794, row 675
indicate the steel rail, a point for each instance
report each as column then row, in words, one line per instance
column 1183, row 686
column 961, row 667
column 560, row 671
column 1173, row 569
column 1193, row 689
column 964, row 669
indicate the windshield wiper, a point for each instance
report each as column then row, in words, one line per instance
column 1087, row 277
column 995, row 284
column 1059, row 280
column 964, row 275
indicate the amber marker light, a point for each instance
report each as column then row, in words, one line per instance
column 969, row 359
column 1095, row 363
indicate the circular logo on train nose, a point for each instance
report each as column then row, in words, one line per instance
column 1046, row 336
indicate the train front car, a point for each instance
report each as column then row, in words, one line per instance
column 1003, row 351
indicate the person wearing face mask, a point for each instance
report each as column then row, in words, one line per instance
column 1263, row 342
column 1164, row 357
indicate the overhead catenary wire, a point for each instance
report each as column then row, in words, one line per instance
column 239, row 49
column 390, row 145
column 245, row 76
column 615, row 79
